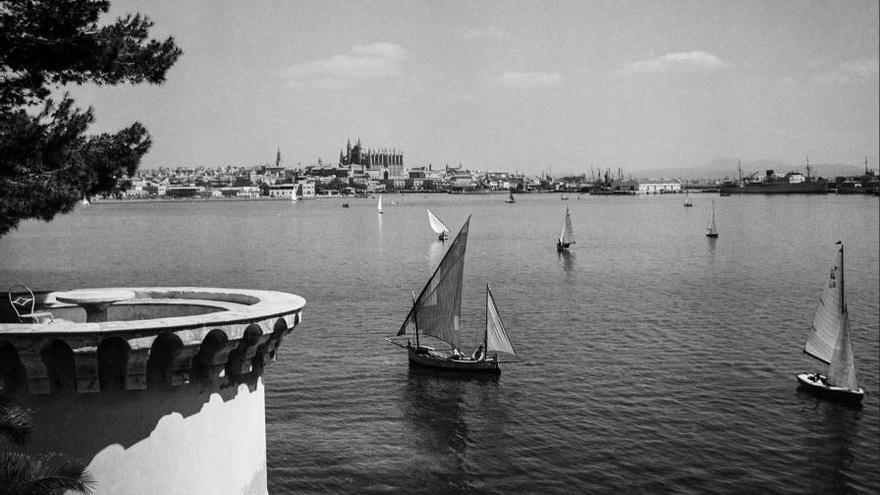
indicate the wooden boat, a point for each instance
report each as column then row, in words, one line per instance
column 711, row 229
column 436, row 313
column 566, row 239
column 438, row 226
column 379, row 206
column 687, row 199
column 510, row 198
column 829, row 342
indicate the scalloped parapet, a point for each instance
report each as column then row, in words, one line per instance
column 163, row 337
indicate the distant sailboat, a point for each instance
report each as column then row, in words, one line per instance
column 566, row 239
column 687, row 199
column 711, row 230
column 563, row 197
column 829, row 342
column 438, row 226
column 510, row 198
column 436, row 313
column 379, row 207
column 85, row 201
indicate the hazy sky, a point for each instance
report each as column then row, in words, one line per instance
column 517, row 85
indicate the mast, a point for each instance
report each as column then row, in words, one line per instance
column 415, row 319
column 486, row 329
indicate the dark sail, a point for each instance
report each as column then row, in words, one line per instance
column 437, row 310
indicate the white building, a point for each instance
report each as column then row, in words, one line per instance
column 659, row 186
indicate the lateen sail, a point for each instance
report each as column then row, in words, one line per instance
column 436, row 225
column 829, row 341
column 567, row 236
column 496, row 337
column 437, row 310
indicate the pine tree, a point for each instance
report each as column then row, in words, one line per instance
column 48, row 162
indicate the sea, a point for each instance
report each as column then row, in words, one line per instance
column 653, row 359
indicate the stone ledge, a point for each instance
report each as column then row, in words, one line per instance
column 232, row 343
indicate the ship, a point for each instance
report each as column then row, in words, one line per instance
column 773, row 183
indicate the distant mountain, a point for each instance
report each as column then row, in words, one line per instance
column 727, row 167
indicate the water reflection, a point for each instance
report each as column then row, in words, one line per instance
column 435, row 252
column 831, row 457
column 567, row 260
column 436, row 406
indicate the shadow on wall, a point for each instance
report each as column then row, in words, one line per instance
column 82, row 425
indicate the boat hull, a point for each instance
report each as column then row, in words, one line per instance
column 431, row 359
column 809, row 382
column 812, row 187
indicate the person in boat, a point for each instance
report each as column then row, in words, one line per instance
column 479, row 354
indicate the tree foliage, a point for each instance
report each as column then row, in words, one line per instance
column 48, row 162
column 40, row 474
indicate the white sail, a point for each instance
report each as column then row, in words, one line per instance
column 380, row 204
column 829, row 340
column 496, row 337
column 567, row 236
column 436, row 225
column 711, row 229
column 826, row 321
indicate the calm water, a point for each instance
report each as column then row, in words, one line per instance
column 657, row 361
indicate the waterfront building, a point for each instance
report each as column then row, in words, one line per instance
column 661, row 186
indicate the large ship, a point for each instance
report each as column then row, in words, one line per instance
column 773, row 183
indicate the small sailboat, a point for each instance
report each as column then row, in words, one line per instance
column 510, row 198
column 711, row 230
column 438, row 226
column 85, row 201
column 687, row 199
column 563, row 197
column 566, row 239
column 379, row 206
column 829, row 342
column 436, row 313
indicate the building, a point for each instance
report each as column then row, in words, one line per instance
column 390, row 162
column 659, row 186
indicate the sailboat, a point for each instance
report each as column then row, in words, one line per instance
column 711, row 230
column 829, row 342
column 687, row 199
column 438, row 226
column 436, row 313
column 566, row 239
column 380, row 204
column 85, row 201
column 510, row 198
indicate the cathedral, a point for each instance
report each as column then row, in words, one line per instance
column 370, row 159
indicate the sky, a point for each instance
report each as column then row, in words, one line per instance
column 531, row 86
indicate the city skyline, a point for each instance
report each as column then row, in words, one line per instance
column 526, row 86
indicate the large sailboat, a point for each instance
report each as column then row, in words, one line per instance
column 566, row 239
column 829, row 342
column 438, row 226
column 711, row 229
column 436, row 313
